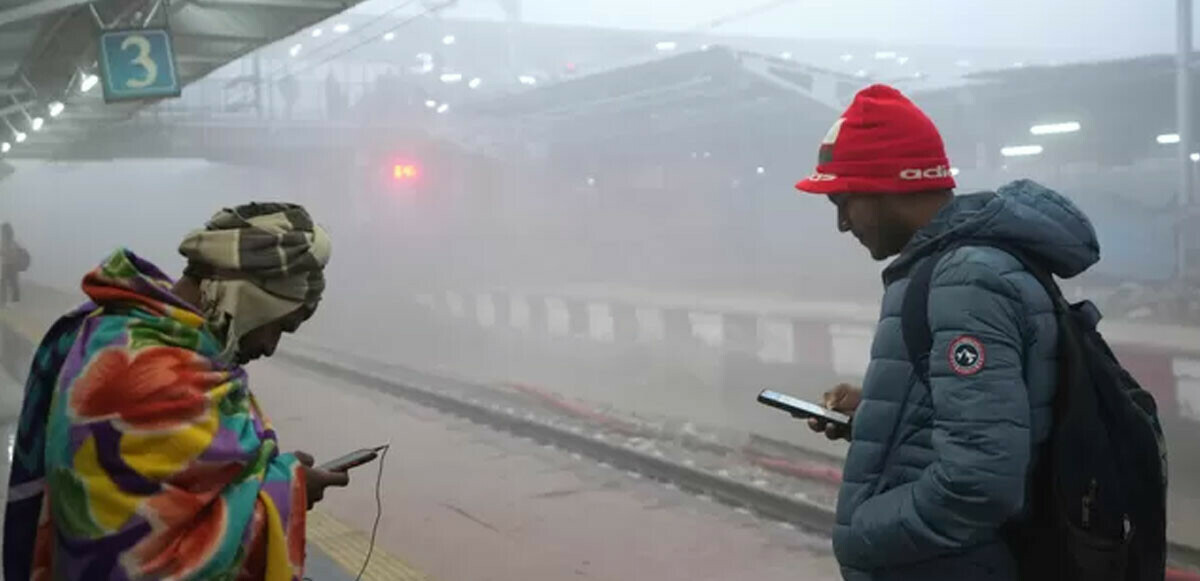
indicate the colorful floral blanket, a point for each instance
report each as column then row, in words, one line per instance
column 140, row 456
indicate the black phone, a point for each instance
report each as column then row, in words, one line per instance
column 800, row 408
column 352, row 460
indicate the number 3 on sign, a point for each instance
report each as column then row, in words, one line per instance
column 142, row 60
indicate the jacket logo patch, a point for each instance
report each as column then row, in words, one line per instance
column 967, row 355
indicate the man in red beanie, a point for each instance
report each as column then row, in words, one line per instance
column 942, row 440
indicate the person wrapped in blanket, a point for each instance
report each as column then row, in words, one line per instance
column 141, row 451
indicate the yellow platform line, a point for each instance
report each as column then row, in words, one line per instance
column 347, row 547
column 344, row 545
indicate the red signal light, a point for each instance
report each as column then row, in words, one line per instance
column 405, row 172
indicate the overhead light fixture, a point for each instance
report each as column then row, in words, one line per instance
column 760, row 170
column 295, row 50
column 36, row 123
column 17, row 134
column 902, row 60
column 389, row 37
column 1196, row 157
column 954, row 172
column 787, row 56
column 451, row 78
column 5, row 147
column 666, row 46
column 431, row 103
column 449, row 39
column 847, row 58
column 474, row 83
column 342, row 28
column 443, row 108
column 316, row 33
column 527, row 80
column 56, row 108
column 861, row 73
column 88, row 82
column 1168, row 138
column 1021, row 150
column 885, row 55
column 1055, row 128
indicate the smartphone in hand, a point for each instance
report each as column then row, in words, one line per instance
column 352, row 460
column 800, row 408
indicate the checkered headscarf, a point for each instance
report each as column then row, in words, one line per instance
column 256, row 263
column 275, row 246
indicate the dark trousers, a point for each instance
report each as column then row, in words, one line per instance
column 10, row 288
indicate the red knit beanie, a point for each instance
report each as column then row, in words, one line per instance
column 883, row 144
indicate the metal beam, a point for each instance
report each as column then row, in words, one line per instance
column 220, row 37
column 330, row 6
column 37, row 9
column 1183, row 96
column 189, row 59
column 21, row 106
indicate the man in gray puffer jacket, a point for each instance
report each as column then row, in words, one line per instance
column 934, row 471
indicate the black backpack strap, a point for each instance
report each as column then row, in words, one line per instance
column 914, row 316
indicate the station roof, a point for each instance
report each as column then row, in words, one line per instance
column 48, row 47
column 713, row 94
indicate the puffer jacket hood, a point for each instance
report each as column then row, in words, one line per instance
column 1037, row 220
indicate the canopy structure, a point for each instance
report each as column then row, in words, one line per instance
column 48, row 55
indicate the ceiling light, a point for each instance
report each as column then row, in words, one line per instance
column 341, row 28
column 295, row 50
column 1168, row 138
column 87, row 82
column 20, row 135
column 1021, row 150
column 5, row 147
column 1054, row 128
column 389, row 37
column 56, row 108
column 449, row 39
column 36, row 123
column 316, row 33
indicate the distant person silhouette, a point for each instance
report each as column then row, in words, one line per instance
column 14, row 260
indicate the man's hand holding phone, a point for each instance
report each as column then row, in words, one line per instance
column 845, row 399
column 317, row 480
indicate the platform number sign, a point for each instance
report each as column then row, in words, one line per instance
column 138, row 64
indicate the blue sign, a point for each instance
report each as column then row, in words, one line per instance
column 138, row 64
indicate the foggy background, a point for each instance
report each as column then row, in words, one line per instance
column 627, row 153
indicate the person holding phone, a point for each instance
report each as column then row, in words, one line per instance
column 142, row 452
column 940, row 462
